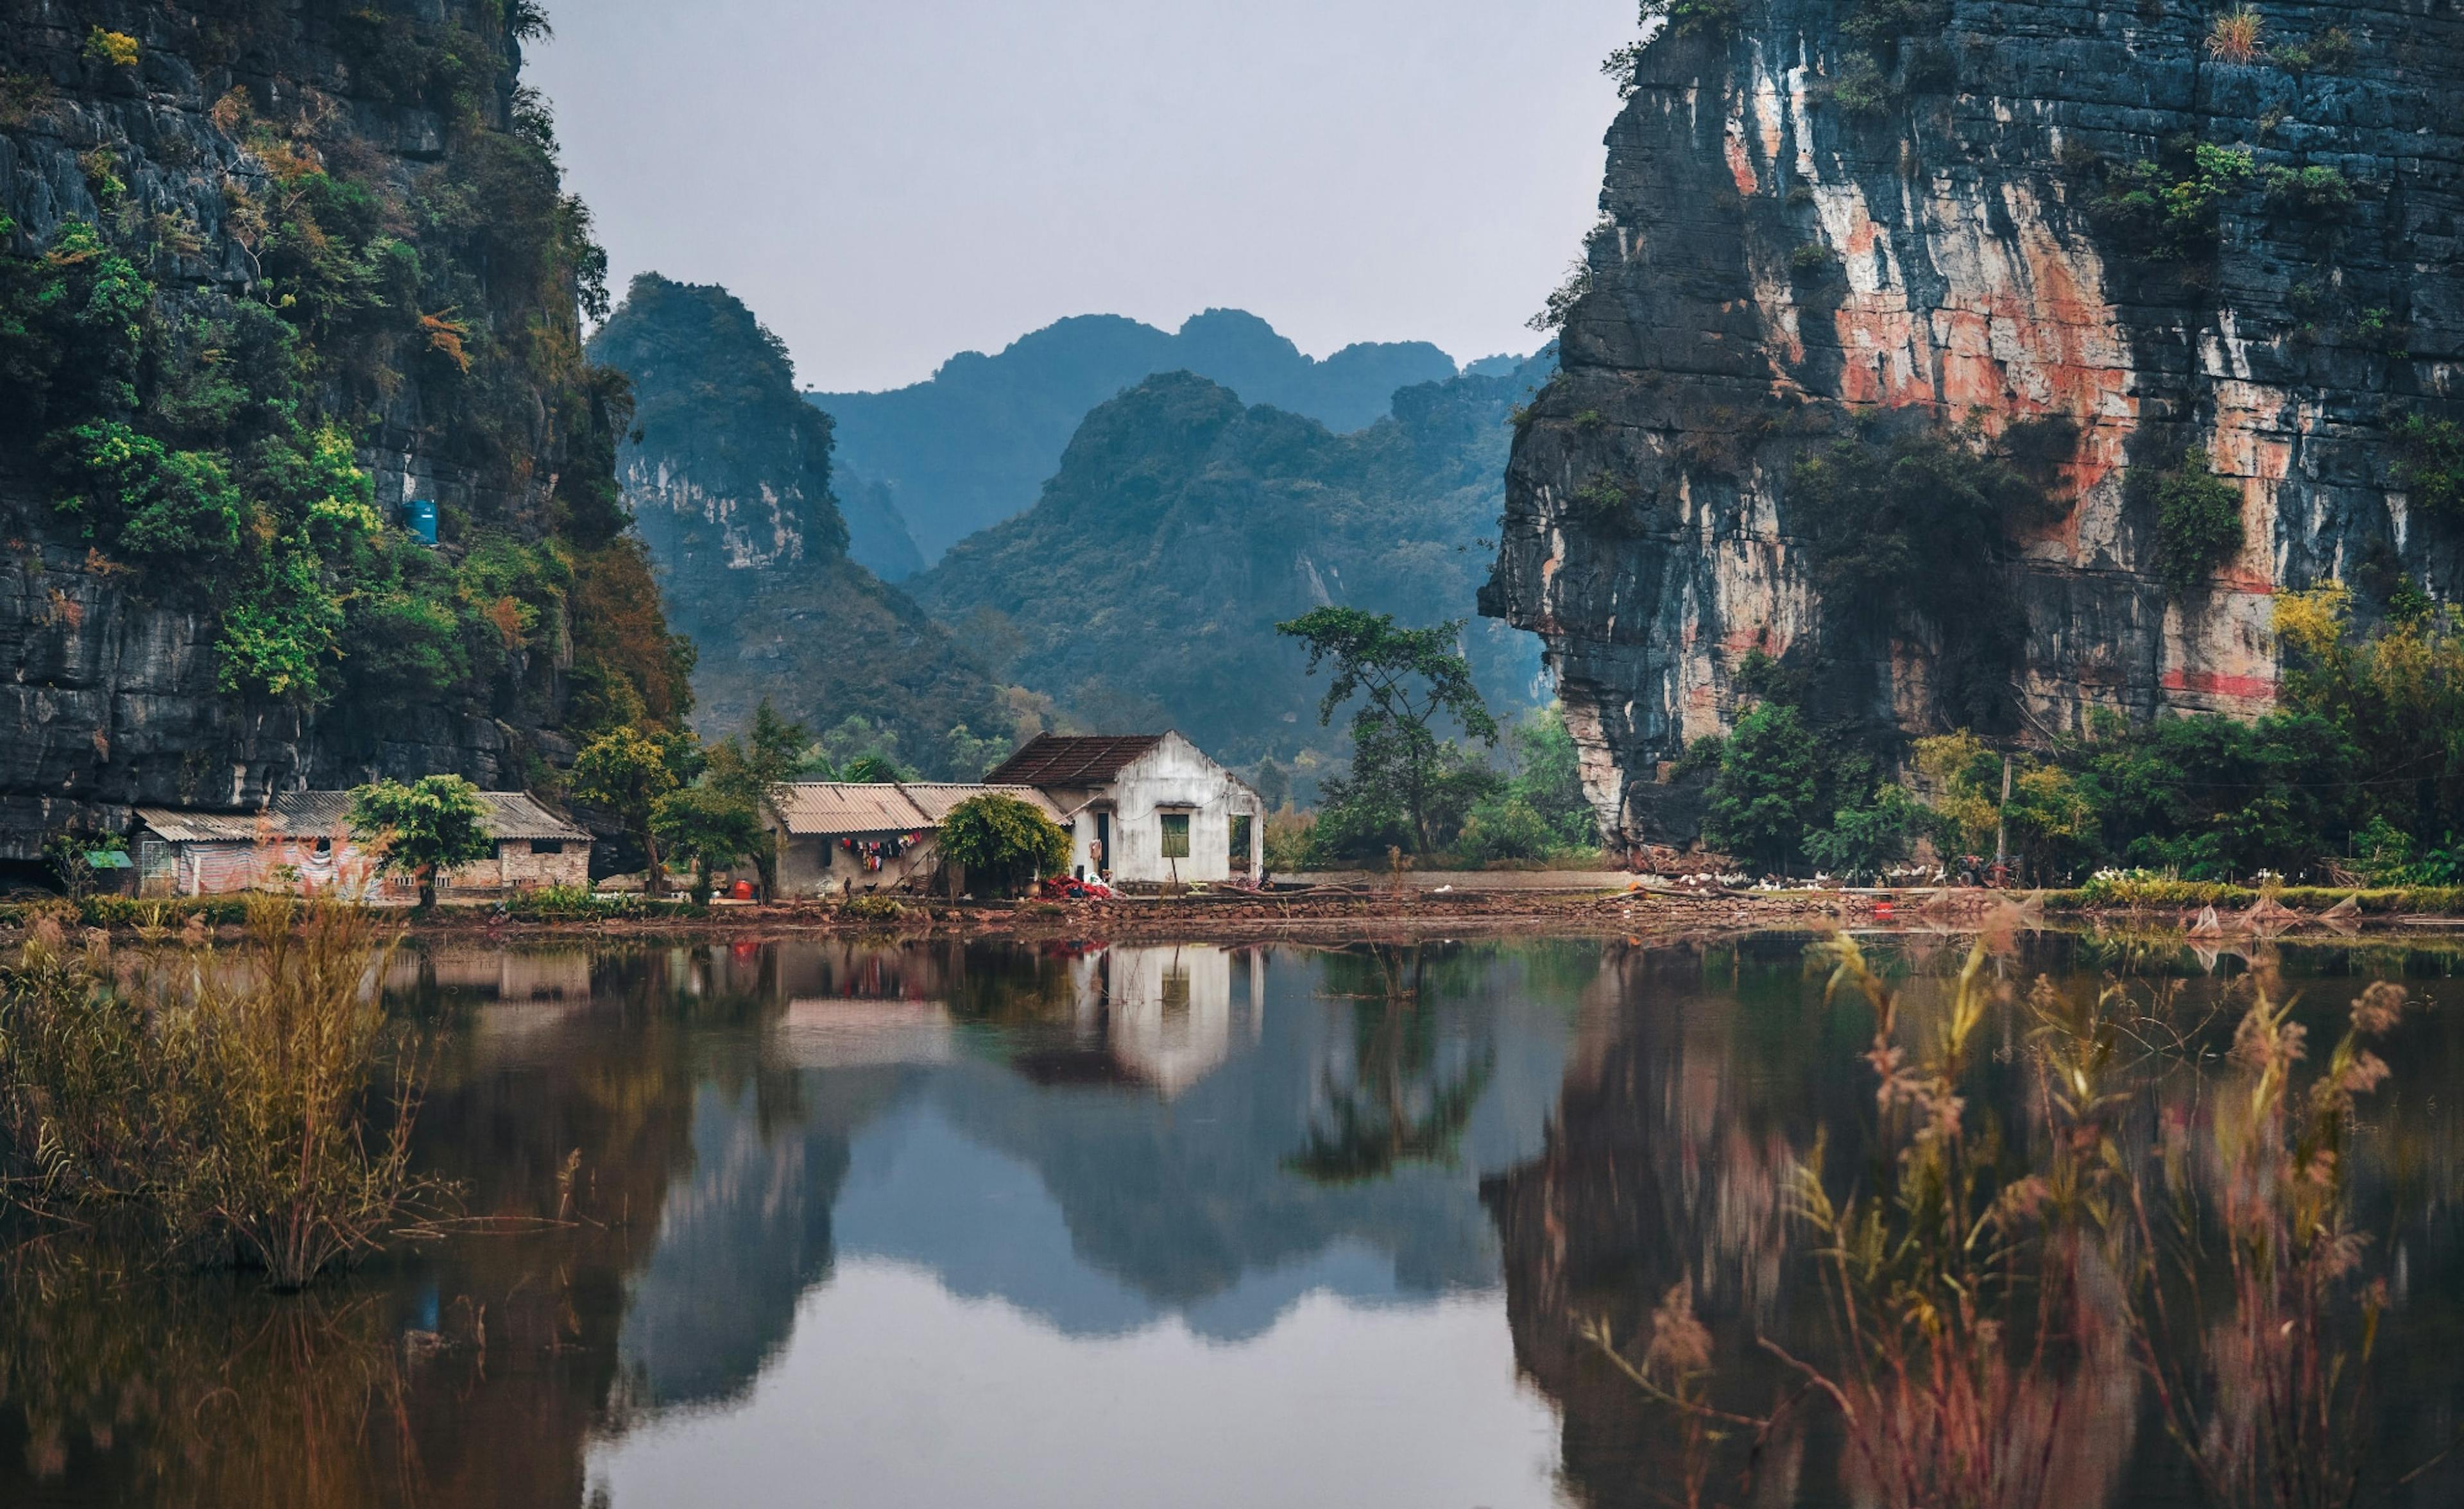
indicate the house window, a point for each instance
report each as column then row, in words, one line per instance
column 1176, row 834
column 547, row 845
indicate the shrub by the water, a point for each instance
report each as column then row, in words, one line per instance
column 250, row 1108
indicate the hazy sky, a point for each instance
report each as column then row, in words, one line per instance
column 887, row 182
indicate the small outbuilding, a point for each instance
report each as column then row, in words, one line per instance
column 1145, row 809
column 305, row 838
column 842, row 837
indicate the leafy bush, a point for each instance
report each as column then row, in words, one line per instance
column 2330, row 52
column 1812, row 259
column 2431, row 464
column 1861, row 87
column 2170, row 209
column 1865, row 841
column 1002, row 842
column 873, row 906
column 559, row 904
column 2319, row 192
column 2198, row 522
column 112, row 49
column 1291, row 837
column 1504, row 830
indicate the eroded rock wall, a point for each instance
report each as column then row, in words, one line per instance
column 109, row 694
column 1773, row 266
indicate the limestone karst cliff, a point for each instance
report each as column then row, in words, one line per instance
column 1966, row 252
column 269, row 273
column 728, row 475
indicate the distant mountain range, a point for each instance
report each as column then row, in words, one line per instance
column 1136, row 581
column 921, row 468
column 1143, row 588
column 728, row 476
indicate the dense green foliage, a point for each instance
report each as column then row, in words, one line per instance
column 2171, row 207
column 708, row 826
column 1003, row 845
column 626, row 771
column 752, row 547
column 1915, row 529
column 972, row 446
column 1539, row 810
column 2431, row 463
column 1766, row 794
column 206, row 435
column 1144, row 590
column 2358, row 774
column 2198, row 521
column 422, row 828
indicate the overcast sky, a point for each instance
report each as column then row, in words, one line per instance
column 891, row 182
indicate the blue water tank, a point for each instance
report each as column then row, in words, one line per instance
column 419, row 516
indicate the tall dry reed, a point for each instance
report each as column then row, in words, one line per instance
column 2003, row 1300
column 249, row 1106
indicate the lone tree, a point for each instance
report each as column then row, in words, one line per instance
column 434, row 823
column 707, row 826
column 739, row 779
column 1005, row 841
column 1408, row 678
column 627, row 771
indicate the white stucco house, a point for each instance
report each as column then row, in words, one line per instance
column 1145, row 809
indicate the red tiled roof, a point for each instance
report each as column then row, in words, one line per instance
column 1050, row 760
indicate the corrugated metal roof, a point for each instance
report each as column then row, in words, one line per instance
column 514, row 815
column 1052, row 759
column 209, row 827
column 935, row 798
column 303, row 813
column 833, row 806
column 838, row 807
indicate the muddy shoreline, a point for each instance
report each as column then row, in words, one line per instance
column 1413, row 913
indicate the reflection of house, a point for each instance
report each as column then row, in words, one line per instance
column 306, row 839
column 1166, row 1012
column 844, row 836
column 1147, row 808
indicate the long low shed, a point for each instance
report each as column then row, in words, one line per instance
column 305, row 838
column 842, row 837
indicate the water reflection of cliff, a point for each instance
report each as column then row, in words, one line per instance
column 1099, row 1140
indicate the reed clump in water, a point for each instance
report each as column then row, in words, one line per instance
column 249, row 1106
column 2005, row 1296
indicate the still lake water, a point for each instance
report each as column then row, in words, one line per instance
column 946, row 1225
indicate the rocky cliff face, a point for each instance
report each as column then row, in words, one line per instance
column 727, row 474
column 2078, row 229
column 313, row 219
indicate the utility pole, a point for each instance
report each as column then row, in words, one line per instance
column 2002, row 823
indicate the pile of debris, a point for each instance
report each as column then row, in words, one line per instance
column 1658, row 859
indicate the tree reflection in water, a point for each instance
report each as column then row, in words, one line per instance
column 1397, row 1100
